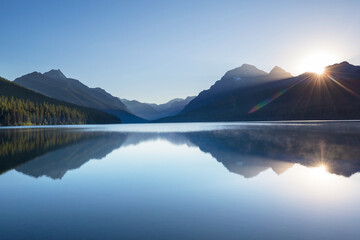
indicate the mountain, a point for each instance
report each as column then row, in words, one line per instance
column 142, row 110
column 56, row 74
column 21, row 106
column 241, row 77
column 332, row 95
column 152, row 111
column 244, row 71
column 278, row 73
column 172, row 107
column 56, row 85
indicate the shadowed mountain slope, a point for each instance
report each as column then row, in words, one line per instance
column 332, row 95
column 241, row 77
column 56, row 85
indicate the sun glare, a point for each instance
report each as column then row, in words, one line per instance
column 316, row 63
column 320, row 170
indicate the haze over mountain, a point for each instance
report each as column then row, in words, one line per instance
column 332, row 95
column 172, row 107
column 152, row 111
column 56, row 85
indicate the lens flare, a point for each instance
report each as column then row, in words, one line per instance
column 343, row 86
column 268, row 100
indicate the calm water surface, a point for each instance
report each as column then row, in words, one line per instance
column 296, row 180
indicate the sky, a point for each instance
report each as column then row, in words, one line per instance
column 154, row 51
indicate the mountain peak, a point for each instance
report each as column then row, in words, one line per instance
column 56, row 74
column 276, row 69
column 245, row 70
column 345, row 63
column 246, row 65
column 250, row 70
column 278, row 72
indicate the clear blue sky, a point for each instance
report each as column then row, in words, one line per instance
column 156, row 50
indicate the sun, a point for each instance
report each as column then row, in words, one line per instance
column 316, row 63
column 319, row 171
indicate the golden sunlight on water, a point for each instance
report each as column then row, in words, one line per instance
column 317, row 185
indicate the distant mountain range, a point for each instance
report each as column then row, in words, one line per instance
column 152, row 111
column 247, row 93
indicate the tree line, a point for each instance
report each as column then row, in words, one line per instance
column 20, row 112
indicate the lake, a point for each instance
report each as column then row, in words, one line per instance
column 282, row 180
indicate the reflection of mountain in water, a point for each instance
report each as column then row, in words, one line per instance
column 55, row 164
column 246, row 151
column 254, row 149
column 18, row 146
column 52, row 152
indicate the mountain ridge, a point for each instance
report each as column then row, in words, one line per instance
column 333, row 95
column 152, row 111
column 56, row 85
column 244, row 76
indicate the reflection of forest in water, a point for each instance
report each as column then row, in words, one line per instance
column 21, row 145
column 53, row 152
column 247, row 151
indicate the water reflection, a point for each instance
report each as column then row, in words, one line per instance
column 246, row 151
column 56, row 163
